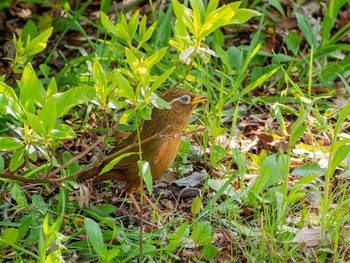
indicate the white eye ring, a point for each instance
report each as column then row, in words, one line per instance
column 185, row 99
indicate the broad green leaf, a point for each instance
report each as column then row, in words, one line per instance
column 196, row 206
column 19, row 196
column 73, row 97
column 94, row 234
column 202, row 233
column 155, row 57
column 160, row 103
column 176, row 238
column 296, row 134
column 48, row 115
column 115, row 161
column 107, row 24
column 30, row 31
column 100, row 79
column 9, row 143
column 185, row 14
column 307, row 169
column 339, row 157
column 31, row 89
column 52, row 88
column 293, row 41
column 242, row 15
column 8, row 91
column 147, row 35
column 10, row 235
column 17, row 159
column 271, row 171
column 218, row 18
column 35, row 123
column 145, row 173
column 63, row 131
column 305, row 28
column 127, row 115
column 39, row 43
column 160, row 80
column 11, row 107
column 125, row 90
column 133, row 24
column 2, row 164
column 212, row 5
column 209, row 252
column 132, row 60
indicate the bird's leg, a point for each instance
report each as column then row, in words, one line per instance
column 146, row 198
column 130, row 194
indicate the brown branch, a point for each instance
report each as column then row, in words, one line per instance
column 85, row 152
column 95, row 163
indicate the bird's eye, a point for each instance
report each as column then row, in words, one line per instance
column 185, row 99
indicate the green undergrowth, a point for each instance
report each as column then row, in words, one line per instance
column 275, row 144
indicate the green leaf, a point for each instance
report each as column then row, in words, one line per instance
column 19, row 196
column 11, row 107
column 107, row 24
column 293, row 41
column 339, row 156
column 10, row 235
column 209, row 252
column 48, row 115
column 73, row 97
column 160, row 80
column 127, row 115
column 155, row 57
column 305, row 28
column 145, row 172
column 39, row 43
column 202, row 233
column 99, row 76
column 271, row 171
column 147, row 35
column 30, row 30
column 133, row 62
column 94, row 234
column 125, row 90
column 176, row 238
column 2, row 164
column 62, row 131
column 9, row 143
column 31, row 89
column 8, row 91
column 307, row 169
column 160, row 103
column 196, row 206
column 242, row 15
column 184, row 14
column 52, row 88
column 133, row 24
column 115, row 161
column 296, row 134
column 17, row 159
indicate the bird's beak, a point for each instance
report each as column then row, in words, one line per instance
column 198, row 99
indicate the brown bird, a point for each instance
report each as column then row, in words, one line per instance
column 159, row 152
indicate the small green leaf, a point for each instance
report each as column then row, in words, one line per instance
column 293, row 41
column 99, row 78
column 116, row 160
column 17, row 159
column 160, row 80
column 10, row 235
column 125, row 90
column 63, row 131
column 196, row 206
column 147, row 35
column 39, row 43
column 48, row 114
column 133, row 23
column 127, row 115
column 94, row 234
column 145, row 172
column 209, row 252
column 19, row 196
column 242, row 15
column 202, row 233
column 9, row 143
